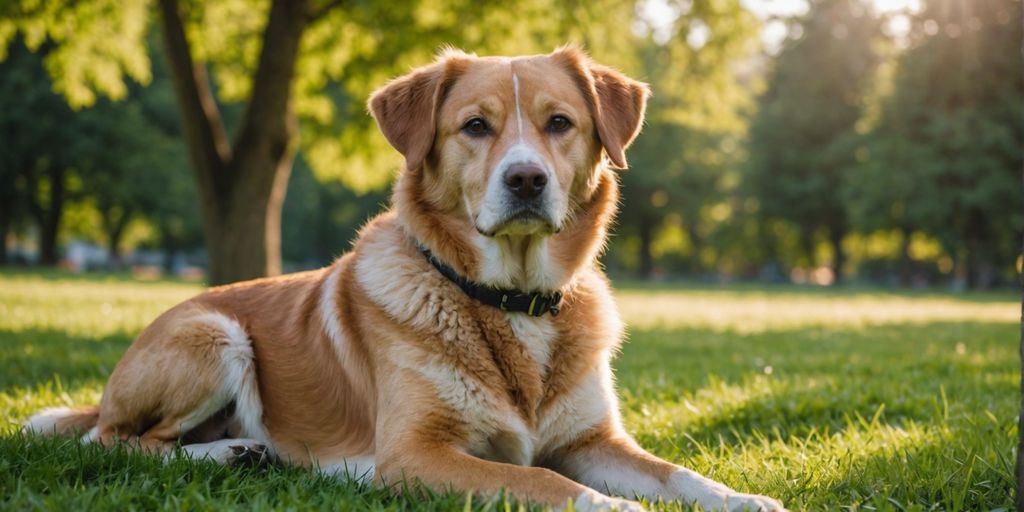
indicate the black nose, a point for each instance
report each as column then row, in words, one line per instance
column 525, row 181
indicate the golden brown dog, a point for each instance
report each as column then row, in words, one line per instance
column 465, row 341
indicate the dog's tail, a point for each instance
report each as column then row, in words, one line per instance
column 63, row 420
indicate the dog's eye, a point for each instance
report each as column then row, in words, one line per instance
column 476, row 127
column 558, row 124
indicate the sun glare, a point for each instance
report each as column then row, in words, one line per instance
column 657, row 18
column 783, row 8
column 775, row 30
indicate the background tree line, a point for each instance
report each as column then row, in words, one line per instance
column 867, row 145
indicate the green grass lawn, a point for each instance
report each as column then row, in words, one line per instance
column 826, row 400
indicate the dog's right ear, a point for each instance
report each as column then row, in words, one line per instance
column 406, row 108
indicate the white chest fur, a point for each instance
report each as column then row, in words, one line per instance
column 562, row 421
column 579, row 409
column 497, row 431
column 537, row 334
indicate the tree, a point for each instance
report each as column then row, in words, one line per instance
column 114, row 156
column 241, row 185
column 944, row 154
column 37, row 129
column 129, row 167
column 802, row 137
column 322, row 217
column 288, row 62
column 679, row 167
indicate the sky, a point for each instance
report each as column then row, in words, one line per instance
column 660, row 14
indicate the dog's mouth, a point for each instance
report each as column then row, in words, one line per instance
column 523, row 221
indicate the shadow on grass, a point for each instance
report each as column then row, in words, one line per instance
column 795, row 381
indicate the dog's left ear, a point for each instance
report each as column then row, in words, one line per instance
column 618, row 101
column 406, row 108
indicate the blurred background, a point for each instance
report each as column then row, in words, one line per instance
column 805, row 141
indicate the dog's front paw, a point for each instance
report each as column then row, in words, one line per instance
column 736, row 502
column 690, row 487
column 594, row 501
column 248, row 454
column 232, row 452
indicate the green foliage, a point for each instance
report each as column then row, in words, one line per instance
column 856, row 136
column 39, row 141
column 123, row 161
column 321, row 219
column 801, row 139
column 827, row 400
column 354, row 50
column 345, row 54
column 944, row 157
column 91, row 46
column 695, row 111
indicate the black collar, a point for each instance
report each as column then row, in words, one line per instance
column 505, row 299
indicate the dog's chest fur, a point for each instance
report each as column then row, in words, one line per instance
column 518, row 440
column 518, row 417
column 520, row 386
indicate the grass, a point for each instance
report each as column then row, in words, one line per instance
column 852, row 399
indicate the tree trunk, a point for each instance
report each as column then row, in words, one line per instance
column 169, row 246
column 836, row 236
column 241, row 188
column 960, row 270
column 807, row 244
column 980, row 271
column 697, row 243
column 244, row 242
column 115, row 232
column 977, row 269
column 49, row 227
column 5, row 229
column 646, row 256
column 905, row 265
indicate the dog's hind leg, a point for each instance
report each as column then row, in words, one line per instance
column 182, row 371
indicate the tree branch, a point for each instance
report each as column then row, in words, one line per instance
column 267, row 126
column 201, row 122
column 318, row 12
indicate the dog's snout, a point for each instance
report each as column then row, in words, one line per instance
column 526, row 181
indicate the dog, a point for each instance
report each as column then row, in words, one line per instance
column 466, row 340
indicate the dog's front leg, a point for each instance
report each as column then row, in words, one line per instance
column 425, row 424
column 444, row 468
column 608, row 459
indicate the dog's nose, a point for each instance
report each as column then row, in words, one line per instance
column 525, row 181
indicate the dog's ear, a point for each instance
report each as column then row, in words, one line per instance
column 618, row 102
column 622, row 102
column 406, row 108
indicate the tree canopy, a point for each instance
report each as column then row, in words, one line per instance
column 854, row 145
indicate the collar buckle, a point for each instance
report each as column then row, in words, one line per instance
column 556, row 303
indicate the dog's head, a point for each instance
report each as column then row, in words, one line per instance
column 511, row 146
